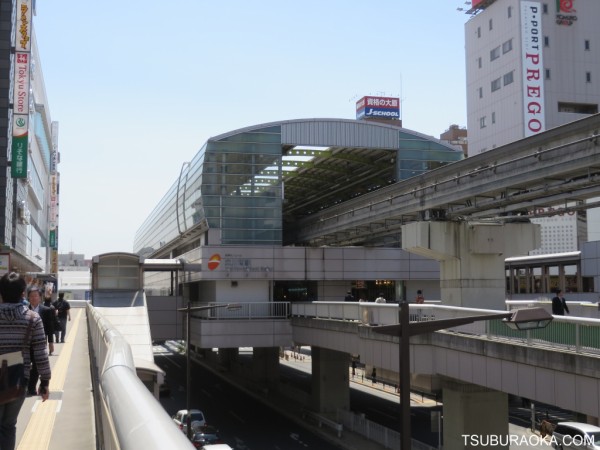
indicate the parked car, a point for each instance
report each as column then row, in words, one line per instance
column 576, row 435
column 205, row 435
column 197, row 418
column 216, row 447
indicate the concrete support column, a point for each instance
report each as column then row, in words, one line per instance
column 330, row 383
column 471, row 257
column 473, row 416
column 265, row 365
column 228, row 357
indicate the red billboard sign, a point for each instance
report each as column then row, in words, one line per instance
column 380, row 107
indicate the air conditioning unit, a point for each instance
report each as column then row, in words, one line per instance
column 23, row 213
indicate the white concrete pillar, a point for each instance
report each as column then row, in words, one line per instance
column 473, row 417
column 471, row 257
column 330, row 380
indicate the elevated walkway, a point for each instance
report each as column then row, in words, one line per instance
column 66, row 420
column 127, row 312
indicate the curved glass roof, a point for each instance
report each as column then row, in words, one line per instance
column 256, row 182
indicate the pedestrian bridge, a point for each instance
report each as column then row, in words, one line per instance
column 557, row 365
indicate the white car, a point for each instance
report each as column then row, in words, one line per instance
column 576, row 435
column 197, row 418
column 216, row 447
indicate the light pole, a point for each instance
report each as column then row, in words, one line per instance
column 188, row 376
column 520, row 319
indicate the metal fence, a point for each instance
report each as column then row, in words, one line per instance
column 577, row 334
column 245, row 311
column 357, row 423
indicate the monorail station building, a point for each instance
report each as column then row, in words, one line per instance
column 235, row 210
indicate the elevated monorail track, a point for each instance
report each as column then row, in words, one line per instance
column 533, row 177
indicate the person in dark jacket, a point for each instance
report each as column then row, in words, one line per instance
column 48, row 318
column 15, row 319
column 63, row 312
column 559, row 304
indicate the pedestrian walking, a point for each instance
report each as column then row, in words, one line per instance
column 22, row 334
column 63, row 309
column 559, row 304
column 48, row 317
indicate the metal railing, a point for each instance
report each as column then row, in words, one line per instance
column 357, row 423
column 577, row 334
column 245, row 311
column 131, row 417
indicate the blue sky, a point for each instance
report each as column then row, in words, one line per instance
column 138, row 87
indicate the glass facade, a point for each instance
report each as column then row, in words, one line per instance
column 418, row 155
column 235, row 183
column 241, row 188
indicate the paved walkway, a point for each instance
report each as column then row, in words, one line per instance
column 66, row 420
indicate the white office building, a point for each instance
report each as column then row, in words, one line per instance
column 532, row 66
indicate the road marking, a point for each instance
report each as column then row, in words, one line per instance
column 237, row 417
column 39, row 429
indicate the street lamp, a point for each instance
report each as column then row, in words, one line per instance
column 520, row 319
column 188, row 310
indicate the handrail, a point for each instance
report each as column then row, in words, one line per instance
column 244, row 310
column 578, row 334
column 132, row 418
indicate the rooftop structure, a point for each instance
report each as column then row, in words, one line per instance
column 250, row 186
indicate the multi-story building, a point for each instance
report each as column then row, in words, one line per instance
column 456, row 135
column 531, row 66
column 74, row 276
column 28, row 140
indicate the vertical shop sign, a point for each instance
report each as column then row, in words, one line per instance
column 19, row 146
column 533, row 68
column 22, row 67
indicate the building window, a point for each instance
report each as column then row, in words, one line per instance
column 479, row 62
column 587, row 44
column 496, row 84
column 491, row 25
column 482, row 122
column 545, row 8
column 478, row 32
column 509, row 12
column 493, row 117
column 546, row 41
column 588, row 77
column 547, row 74
column 578, row 108
column 480, row 92
column 509, row 78
column 507, row 46
column 495, row 54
